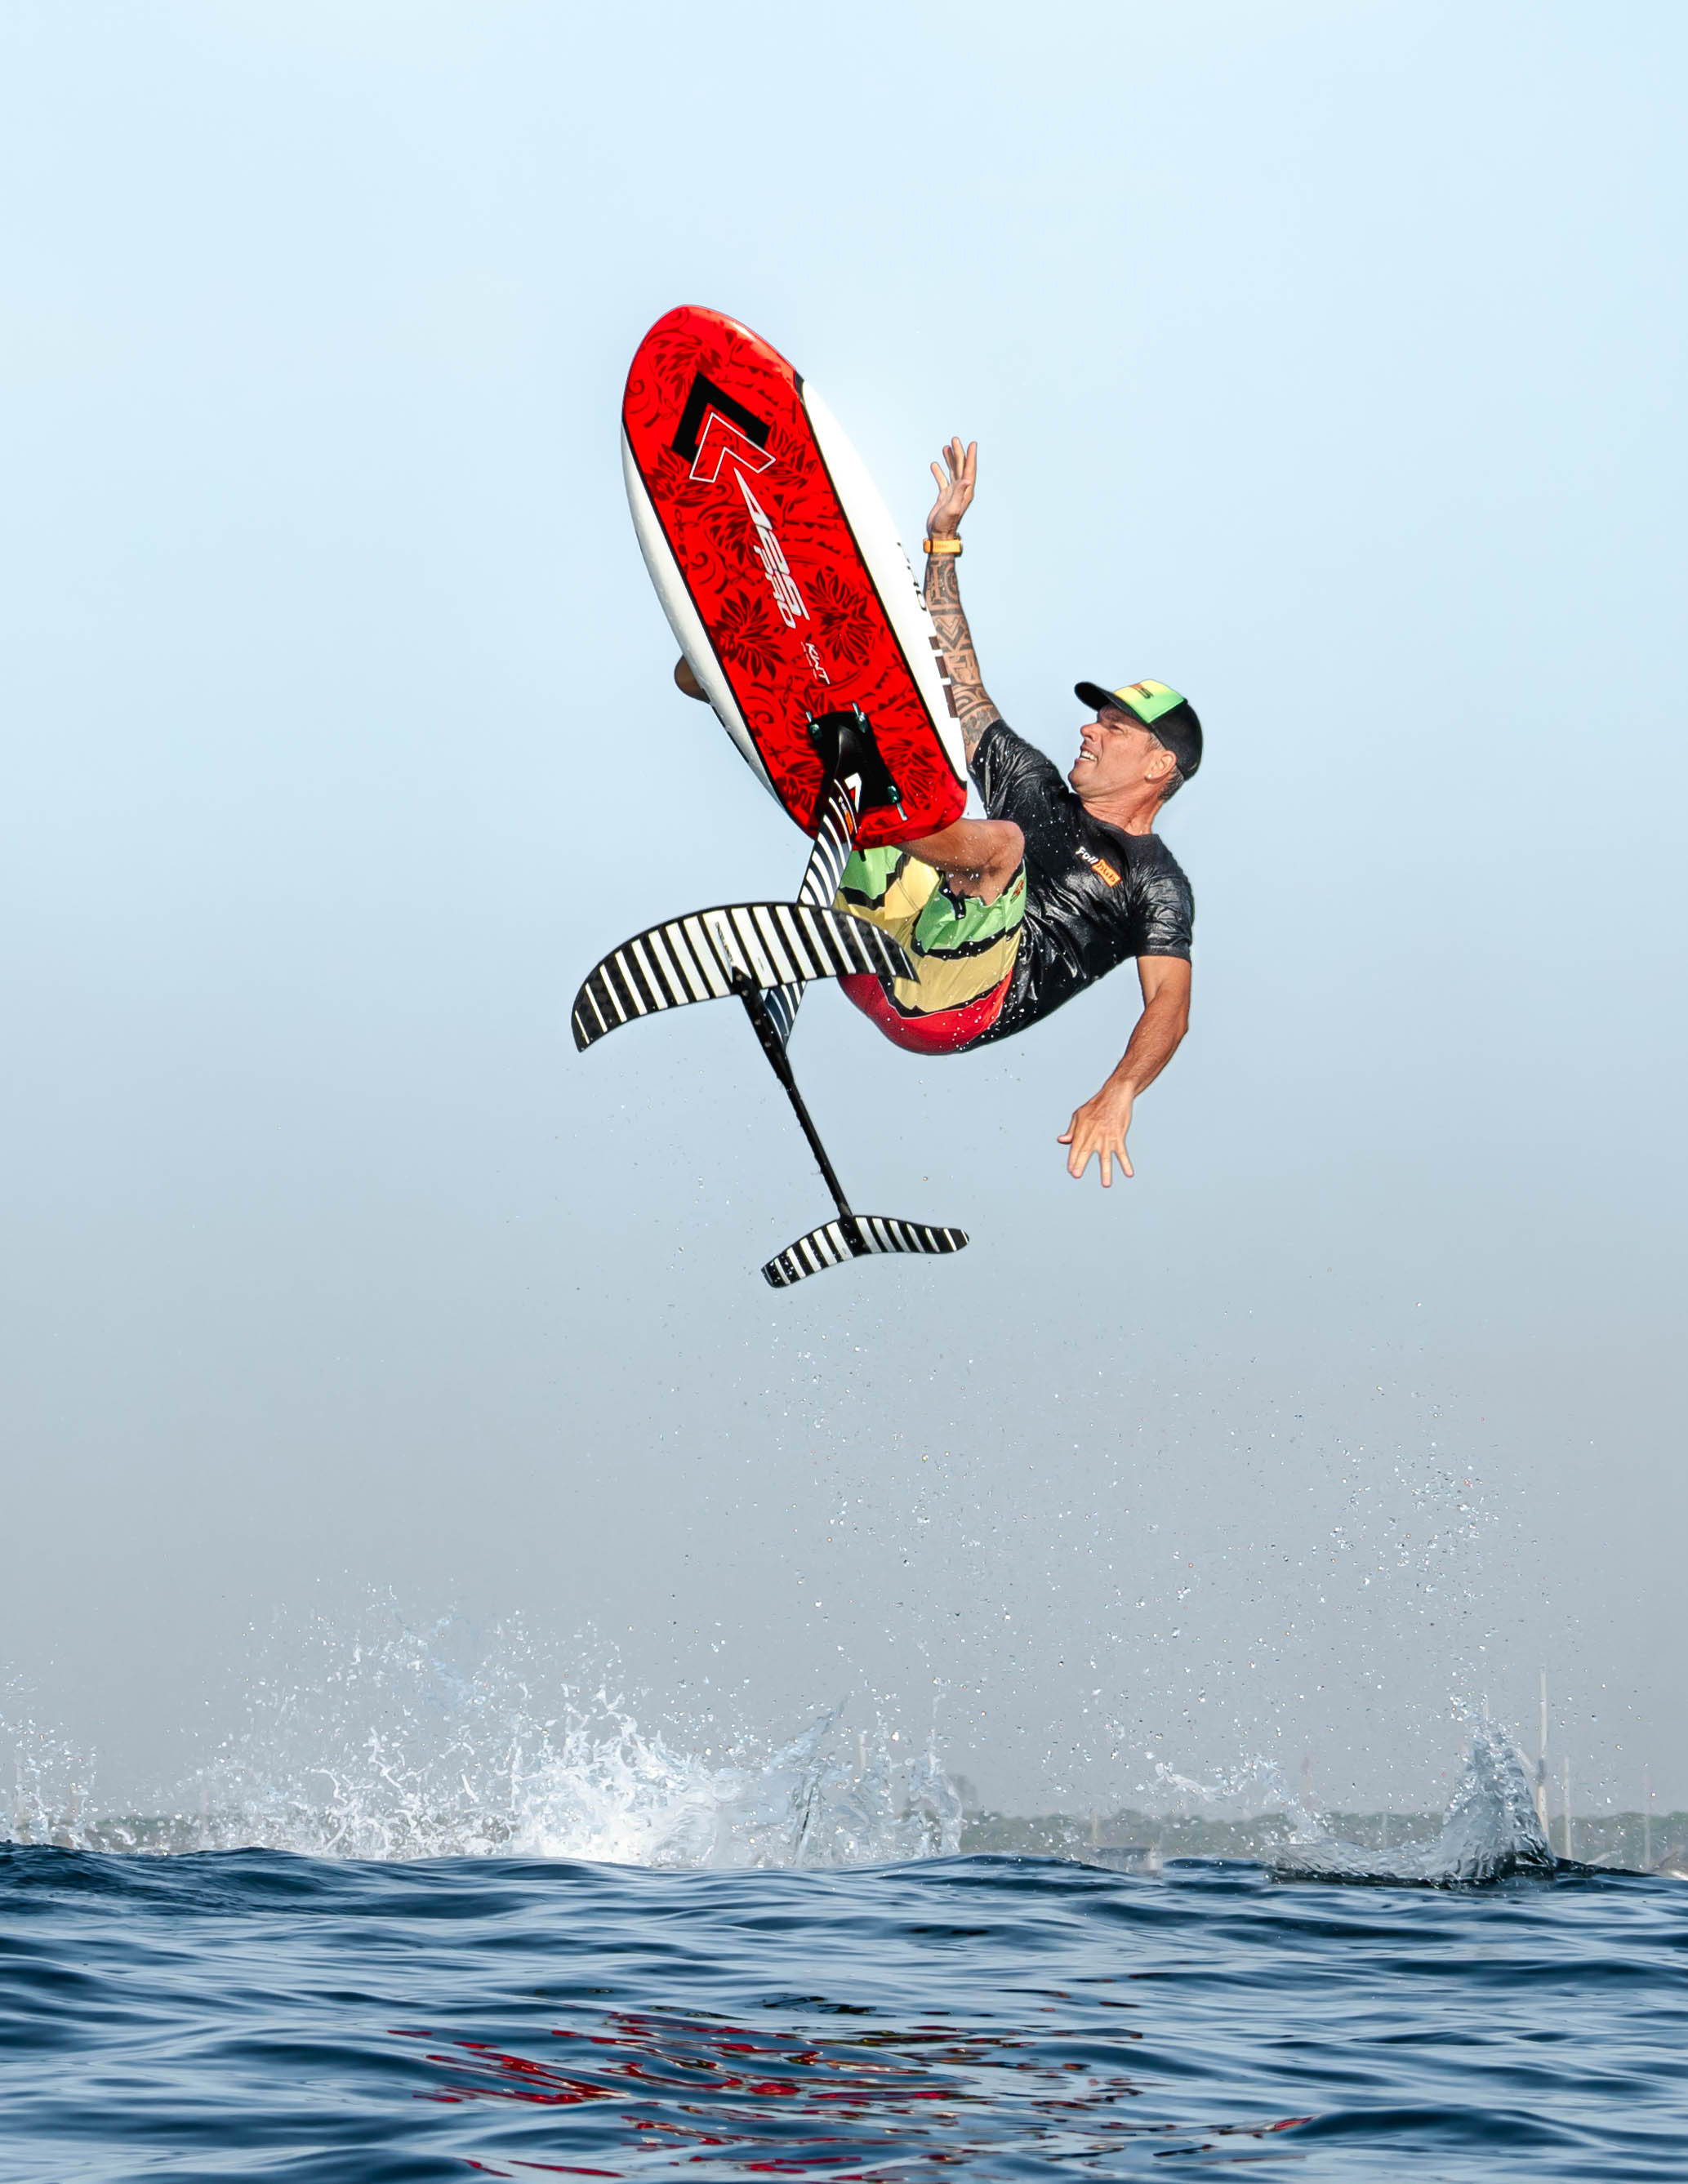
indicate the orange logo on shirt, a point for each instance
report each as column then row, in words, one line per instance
column 1104, row 870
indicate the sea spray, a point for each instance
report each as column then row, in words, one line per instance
column 400, row 1743
column 47, row 1794
column 1490, row 1831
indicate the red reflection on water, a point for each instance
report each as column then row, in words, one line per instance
column 679, row 2088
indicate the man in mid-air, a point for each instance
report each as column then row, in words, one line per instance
column 1006, row 917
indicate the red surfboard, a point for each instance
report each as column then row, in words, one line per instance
column 780, row 571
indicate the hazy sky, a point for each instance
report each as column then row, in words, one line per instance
column 1326, row 362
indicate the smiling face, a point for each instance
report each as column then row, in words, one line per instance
column 1117, row 755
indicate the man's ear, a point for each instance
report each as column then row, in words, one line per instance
column 1160, row 764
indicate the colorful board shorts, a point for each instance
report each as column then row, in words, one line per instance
column 963, row 950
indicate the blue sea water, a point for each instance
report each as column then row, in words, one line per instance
column 257, row 2014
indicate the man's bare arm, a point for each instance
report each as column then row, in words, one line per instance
column 973, row 707
column 1165, row 980
column 1099, row 1125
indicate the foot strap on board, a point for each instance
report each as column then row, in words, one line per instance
column 856, row 1236
column 709, row 957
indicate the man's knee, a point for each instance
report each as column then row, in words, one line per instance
column 1002, row 850
column 987, row 850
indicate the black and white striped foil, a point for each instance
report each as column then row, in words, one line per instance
column 834, row 837
column 699, row 957
column 861, row 1236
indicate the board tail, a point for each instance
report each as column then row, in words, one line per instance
column 711, row 955
column 856, row 1236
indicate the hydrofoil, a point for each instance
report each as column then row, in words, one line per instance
column 797, row 615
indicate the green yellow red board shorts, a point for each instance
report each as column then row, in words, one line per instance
column 963, row 950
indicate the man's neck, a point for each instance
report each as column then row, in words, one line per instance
column 1131, row 810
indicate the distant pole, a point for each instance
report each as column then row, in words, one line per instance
column 1647, row 1820
column 1565, row 1781
column 1541, row 1756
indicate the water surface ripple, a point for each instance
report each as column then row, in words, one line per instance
column 255, row 2013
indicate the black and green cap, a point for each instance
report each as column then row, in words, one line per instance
column 1167, row 715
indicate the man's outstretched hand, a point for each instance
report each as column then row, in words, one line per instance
column 956, row 491
column 1099, row 1127
column 1100, row 1124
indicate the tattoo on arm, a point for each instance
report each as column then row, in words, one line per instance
column 973, row 706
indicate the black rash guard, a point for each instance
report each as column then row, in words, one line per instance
column 1095, row 897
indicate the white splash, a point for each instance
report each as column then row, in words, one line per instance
column 392, row 1747
column 1490, row 1829
column 51, row 1791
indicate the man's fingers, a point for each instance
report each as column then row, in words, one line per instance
column 1094, row 1132
column 954, row 477
column 1106, row 1149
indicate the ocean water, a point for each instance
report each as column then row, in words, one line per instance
column 726, row 1990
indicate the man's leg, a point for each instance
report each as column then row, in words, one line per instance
column 948, row 901
column 976, row 856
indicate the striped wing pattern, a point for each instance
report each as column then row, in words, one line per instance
column 834, row 837
column 859, row 1236
column 697, row 958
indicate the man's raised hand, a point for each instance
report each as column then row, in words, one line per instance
column 954, row 492
column 1099, row 1127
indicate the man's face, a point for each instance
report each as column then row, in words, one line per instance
column 1114, row 752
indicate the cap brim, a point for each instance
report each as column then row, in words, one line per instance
column 1092, row 694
